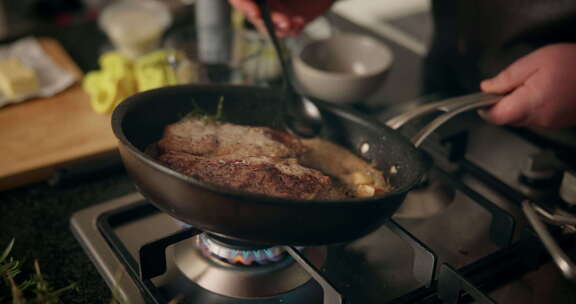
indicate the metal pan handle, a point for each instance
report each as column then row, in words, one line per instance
column 451, row 107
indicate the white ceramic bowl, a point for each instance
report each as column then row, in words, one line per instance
column 135, row 27
column 345, row 68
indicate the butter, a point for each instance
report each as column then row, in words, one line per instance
column 16, row 79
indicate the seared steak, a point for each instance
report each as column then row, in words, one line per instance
column 264, row 175
column 203, row 138
column 253, row 159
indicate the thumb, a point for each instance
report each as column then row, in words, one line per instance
column 513, row 76
column 513, row 109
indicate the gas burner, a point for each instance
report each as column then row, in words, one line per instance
column 237, row 270
column 212, row 247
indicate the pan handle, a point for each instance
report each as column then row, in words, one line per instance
column 451, row 107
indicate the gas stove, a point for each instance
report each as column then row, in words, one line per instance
column 461, row 235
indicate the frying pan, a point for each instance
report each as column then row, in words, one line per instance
column 139, row 121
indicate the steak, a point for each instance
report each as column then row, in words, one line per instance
column 263, row 175
column 252, row 159
column 205, row 138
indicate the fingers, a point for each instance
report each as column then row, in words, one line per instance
column 262, row 29
column 298, row 24
column 282, row 28
column 513, row 109
column 540, row 89
column 513, row 76
column 283, row 23
column 247, row 7
column 284, row 18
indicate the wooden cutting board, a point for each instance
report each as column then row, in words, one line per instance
column 39, row 136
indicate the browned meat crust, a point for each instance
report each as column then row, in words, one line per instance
column 253, row 159
column 197, row 137
column 274, row 177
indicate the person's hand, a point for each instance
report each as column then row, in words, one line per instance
column 541, row 89
column 289, row 16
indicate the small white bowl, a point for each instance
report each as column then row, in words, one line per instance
column 345, row 68
column 135, row 27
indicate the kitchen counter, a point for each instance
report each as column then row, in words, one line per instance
column 37, row 217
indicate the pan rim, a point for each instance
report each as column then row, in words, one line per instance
column 122, row 109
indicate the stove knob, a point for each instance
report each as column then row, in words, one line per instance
column 568, row 188
column 541, row 170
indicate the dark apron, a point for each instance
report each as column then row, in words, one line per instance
column 476, row 39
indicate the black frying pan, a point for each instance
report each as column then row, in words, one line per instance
column 140, row 120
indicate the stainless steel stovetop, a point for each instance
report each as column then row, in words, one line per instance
column 461, row 231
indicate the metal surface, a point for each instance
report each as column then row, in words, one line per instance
column 430, row 198
column 83, row 225
column 451, row 285
column 558, row 218
column 330, row 294
column 424, row 264
column 139, row 121
column 153, row 254
column 456, row 104
column 568, row 188
column 541, row 167
column 235, row 281
column 564, row 263
column 499, row 163
column 382, row 267
column 439, row 121
column 376, row 269
column 131, row 225
column 502, row 223
column 352, row 273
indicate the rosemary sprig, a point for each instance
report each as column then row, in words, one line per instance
column 7, row 251
column 198, row 113
column 44, row 292
column 36, row 290
column 9, row 266
column 219, row 115
column 37, row 285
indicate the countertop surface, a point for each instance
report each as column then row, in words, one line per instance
column 37, row 216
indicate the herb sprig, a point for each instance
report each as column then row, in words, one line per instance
column 198, row 113
column 21, row 292
column 35, row 290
